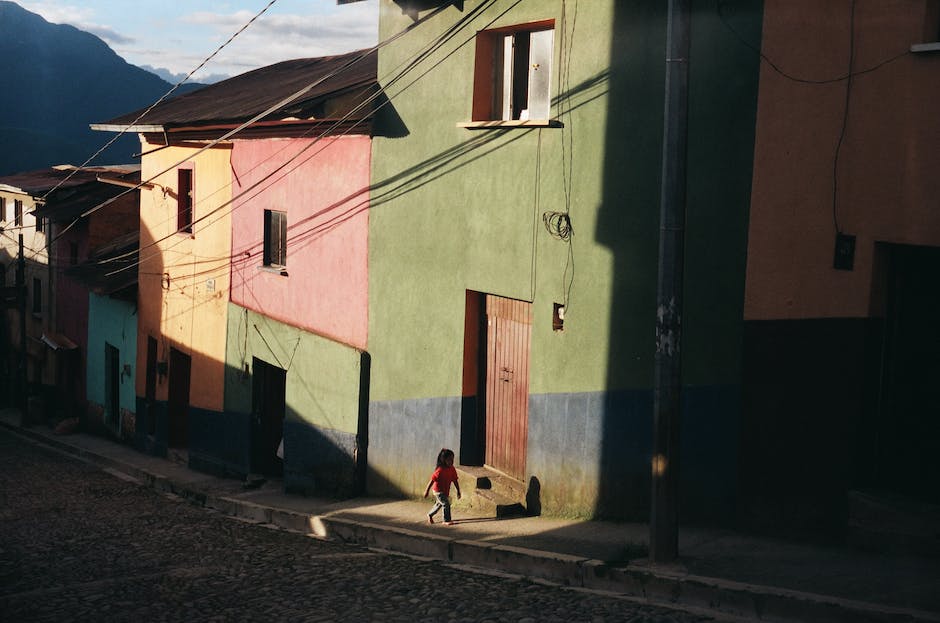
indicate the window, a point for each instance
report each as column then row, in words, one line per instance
column 275, row 238
column 184, row 201
column 512, row 76
column 3, row 209
column 73, row 253
column 40, row 224
column 17, row 212
column 37, row 296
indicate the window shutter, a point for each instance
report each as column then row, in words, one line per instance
column 504, row 89
column 266, row 259
column 279, row 247
column 540, row 74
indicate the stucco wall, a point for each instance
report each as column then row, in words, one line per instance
column 184, row 278
column 463, row 210
column 324, row 392
column 888, row 162
column 115, row 322
column 324, row 192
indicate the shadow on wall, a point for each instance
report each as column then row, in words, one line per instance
column 720, row 159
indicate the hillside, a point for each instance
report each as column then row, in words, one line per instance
column 58, row 79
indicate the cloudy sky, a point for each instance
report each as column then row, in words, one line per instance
column 179, row 35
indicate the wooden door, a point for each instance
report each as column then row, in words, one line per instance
column 178, row 399
column 508, row 334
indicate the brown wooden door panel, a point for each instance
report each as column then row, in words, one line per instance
column 507, row 384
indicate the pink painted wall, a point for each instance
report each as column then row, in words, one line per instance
column 324, row 192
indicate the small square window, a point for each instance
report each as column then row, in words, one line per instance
column 512, row 76
column 275, row 238
column 184, row 201
column 17, row 212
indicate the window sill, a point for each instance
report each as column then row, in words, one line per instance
column 926, row 47
column 277, row 270
column 500, row 124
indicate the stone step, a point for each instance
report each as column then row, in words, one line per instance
column 489, row 492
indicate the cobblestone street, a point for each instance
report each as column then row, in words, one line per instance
column 80, row 544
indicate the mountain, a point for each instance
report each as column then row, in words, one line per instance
column 172, row 78
column 58, row 79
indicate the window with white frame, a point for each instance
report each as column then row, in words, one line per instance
column 512, row 76
column 275, row 238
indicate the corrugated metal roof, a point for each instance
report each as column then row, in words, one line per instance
column 40, row 181
column 71, row 203
column 242, row 97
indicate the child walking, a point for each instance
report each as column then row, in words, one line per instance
column 440, row 482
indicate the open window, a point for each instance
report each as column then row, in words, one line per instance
column 512, row 76
column 184, row 200
column 275, row 238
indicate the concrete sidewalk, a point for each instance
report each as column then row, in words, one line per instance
column 725, row 573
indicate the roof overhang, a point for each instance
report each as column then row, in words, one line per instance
column 108, row 127
column 57, row 341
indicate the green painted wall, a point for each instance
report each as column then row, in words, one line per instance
column 323, row 377
column 467, row 211
column 115, row 322
column 456, row 209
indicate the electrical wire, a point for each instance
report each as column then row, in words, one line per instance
column 421, row 55
column 719, row 4
column 845, row 121
column 162, row 98
column 270, row 110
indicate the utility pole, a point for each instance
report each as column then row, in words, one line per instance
column 21, row 367
column 664, row 523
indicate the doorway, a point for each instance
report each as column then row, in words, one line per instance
column 907, row 434
column 508, row 335
column 178, row 399
column 112, row 388
column 268, row 405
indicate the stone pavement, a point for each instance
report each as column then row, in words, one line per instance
column 721, row 571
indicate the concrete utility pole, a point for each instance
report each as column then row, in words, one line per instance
column 21, row 367
column 664, row 524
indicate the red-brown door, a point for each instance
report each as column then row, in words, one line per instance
column 508, row 333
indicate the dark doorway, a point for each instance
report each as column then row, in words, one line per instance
column 907, row 435
column 472, row 413
column 178, row 400
column 268, row 390
column 150, row 391
column 112, row 387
